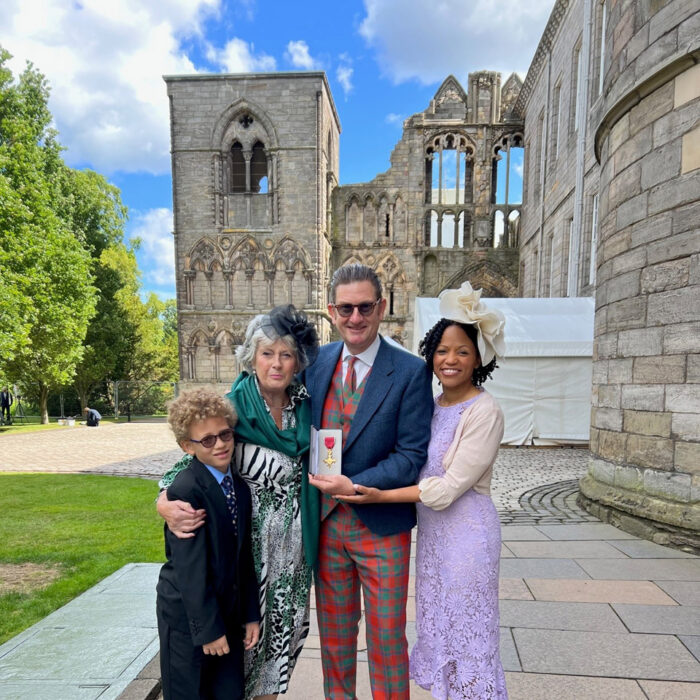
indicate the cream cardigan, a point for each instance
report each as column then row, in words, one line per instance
column 468, row 462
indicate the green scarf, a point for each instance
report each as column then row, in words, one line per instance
column 257, row 427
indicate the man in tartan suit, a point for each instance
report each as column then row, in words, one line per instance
column 381, row 398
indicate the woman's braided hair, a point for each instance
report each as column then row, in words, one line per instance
column 430, row 342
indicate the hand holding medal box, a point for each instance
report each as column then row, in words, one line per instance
column 326, row 452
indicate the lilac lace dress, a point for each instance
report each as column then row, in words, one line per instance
column 458, row 549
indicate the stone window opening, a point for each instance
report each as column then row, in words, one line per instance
column 249, row 169
column 507, row 190
column 449, row 170
column 238, row 168
column 391, row 302
column 387, row 226
column 576, row 87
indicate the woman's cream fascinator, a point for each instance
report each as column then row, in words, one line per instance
column 465, row 305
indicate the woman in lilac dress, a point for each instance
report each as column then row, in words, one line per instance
column 456, row 654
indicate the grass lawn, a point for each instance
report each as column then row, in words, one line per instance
column 86, row 526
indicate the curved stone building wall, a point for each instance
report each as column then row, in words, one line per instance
column 644, row 474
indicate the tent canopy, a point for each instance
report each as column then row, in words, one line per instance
column 558, row 327
column 543, row 384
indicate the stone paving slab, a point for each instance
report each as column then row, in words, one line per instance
column 539, row 614
column 513, row 589
column 651, row 656
column 537, row 686
column 642, row 569
column 692, row 643
column 513, row 533
column 583, row 531
column 667, row 690
column 543, row 568
column 660, row 619
column 507, row 650
column 588, row 591
column 684, row 592
column 570, row 549
column 643, row 549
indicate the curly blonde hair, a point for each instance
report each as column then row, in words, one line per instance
column 195, row 405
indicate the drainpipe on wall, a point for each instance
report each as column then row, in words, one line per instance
column 582, row 97
column 544, row 159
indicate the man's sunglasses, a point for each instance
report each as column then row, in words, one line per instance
column 365, row 308
column 210, row 440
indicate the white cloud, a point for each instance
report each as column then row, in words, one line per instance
column 428, row 41
column 104, row 62
column 298, row 55
column 238, row 56
column 343, row 73
column 157, row 251
column 393, row 118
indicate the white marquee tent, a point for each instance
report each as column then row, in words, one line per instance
column 544, row 382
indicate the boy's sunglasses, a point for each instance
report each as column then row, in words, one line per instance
column 365, row 308
column 210, row 440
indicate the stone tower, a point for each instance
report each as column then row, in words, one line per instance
column 254, row 159
column 430, row 221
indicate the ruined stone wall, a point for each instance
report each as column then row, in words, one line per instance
column 382, row 223
column 238, row 253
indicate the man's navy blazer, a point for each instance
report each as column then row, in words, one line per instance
column 388, row 439
column 208, row 584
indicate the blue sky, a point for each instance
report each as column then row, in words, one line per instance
column 384, row 60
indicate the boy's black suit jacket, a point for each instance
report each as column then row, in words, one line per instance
column 208, row 585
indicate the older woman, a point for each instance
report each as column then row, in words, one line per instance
column 272, row 442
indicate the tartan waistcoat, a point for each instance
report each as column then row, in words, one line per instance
column 338, row 411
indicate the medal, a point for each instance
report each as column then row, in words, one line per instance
column 330, row 443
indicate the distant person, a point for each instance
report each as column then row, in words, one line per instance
column 207, row 605
column 92, row 417
column 6, row 400
column 456, row 654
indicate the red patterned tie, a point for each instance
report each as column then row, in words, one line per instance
column 350, row 378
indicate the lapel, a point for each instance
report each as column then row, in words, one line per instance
column 321, row 381
column 214, row 493
column 376, row 388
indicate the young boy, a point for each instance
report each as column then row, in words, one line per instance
column 207, row 589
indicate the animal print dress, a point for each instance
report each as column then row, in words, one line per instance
column 285, row 578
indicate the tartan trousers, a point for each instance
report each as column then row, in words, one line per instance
column 350, row 557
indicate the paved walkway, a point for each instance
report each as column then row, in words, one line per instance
column 587, row 611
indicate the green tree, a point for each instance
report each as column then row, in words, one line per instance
column 42, row 262
column 97, row 217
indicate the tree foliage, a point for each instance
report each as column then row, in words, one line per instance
column 70, row 293
column 41, row 260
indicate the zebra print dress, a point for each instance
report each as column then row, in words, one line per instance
column 285, row 578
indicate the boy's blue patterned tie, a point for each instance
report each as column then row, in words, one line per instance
column 230, row 494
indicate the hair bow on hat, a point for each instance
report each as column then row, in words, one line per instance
column 465, row 305
column 287, row 320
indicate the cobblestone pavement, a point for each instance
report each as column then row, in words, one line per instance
column 530, row 486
